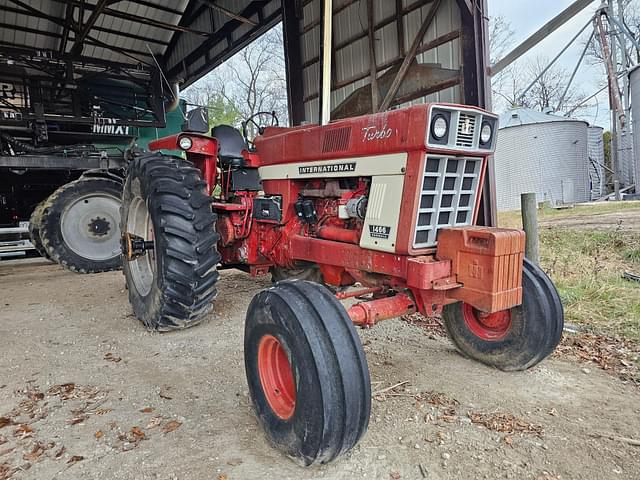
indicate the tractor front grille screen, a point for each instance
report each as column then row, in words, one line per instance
column 448, row 196
column 466, row 130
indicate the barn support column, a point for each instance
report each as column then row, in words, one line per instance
column 291, row 14
column 476, row 87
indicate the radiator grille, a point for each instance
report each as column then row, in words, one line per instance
column 447, row 198
column 466, row 130
column 336, row 140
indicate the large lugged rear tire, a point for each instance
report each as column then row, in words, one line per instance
column 172, row 285
column 80, row 225
column 515, row 339
column 35, row 224
column 307, row 373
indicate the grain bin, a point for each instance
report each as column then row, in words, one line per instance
column 634, row 88
column 541, row 153
column 596, row 162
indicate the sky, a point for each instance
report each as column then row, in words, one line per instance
column 527, row 16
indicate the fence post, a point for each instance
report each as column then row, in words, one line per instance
column 529, row 208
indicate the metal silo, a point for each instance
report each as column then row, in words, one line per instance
column 634, row 88
column 596, row 162
column 541, row 153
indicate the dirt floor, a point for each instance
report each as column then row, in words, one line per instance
column 87, row 393
column 625, row 220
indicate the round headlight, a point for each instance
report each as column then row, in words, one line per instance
column 486, row 133
column 185, row 143
column 439, row 127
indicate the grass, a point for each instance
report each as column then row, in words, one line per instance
column 587, row 267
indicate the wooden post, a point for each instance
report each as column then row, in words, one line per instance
column 529, row 208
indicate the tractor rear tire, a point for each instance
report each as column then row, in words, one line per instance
column 80, row 225
column 35, row 224
column 515, row 339
column 307, row 373
column 171, row 286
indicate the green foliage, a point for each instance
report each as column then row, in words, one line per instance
column 632, row 254
column 223, row 111
column 606, row 137
column 587, row 267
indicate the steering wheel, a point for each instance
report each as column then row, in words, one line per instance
column 259, row 127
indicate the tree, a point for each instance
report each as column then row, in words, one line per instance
column 252, row 81
column 518, row 87
column 500, row 38
column 509, row 85
column 223, row 112
column 549, row 90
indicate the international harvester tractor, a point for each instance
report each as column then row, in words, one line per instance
column 385, row 204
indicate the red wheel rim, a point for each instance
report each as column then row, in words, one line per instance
column 488, row 326
column 276, row 377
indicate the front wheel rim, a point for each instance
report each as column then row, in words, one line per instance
column 89, row 226
column 276, row 377
column 487, row 326
column 142, row 268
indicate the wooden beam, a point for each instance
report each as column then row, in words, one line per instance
column 411, row 55
column 293, row 61
column 228, row 13
column 436, row 42
column 375, row 91
column 550, row 27
column 400, row 27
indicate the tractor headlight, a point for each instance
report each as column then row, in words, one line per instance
column 185, row 143
column 439, row 127
column 486, row 133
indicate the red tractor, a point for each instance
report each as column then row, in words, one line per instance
column 386, row 203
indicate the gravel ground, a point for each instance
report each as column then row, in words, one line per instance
column 87, row 393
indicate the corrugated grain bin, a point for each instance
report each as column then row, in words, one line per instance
column 596, row 162
column 634, row 87
column 541, row 153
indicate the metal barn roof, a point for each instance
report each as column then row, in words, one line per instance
column 187, row 37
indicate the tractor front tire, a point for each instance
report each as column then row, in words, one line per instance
column 172, row 285
column 79, row 225
column 515, row 339
column 35, row 224
column 307, row 373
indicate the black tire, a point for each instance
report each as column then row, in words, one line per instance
column 79, row 238
column 35, row 224
column 556, row 302
column 331, row 390
column 531, row 335
column 179, row 284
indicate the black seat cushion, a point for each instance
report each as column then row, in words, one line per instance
column 230, row 144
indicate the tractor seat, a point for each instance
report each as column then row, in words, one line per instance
column 230, row 146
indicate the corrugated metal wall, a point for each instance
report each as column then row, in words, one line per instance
column 213, row 20
column 626, row 160
column 351, row 57
column 596, row 162
column 634, row 88
column 550, row 159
